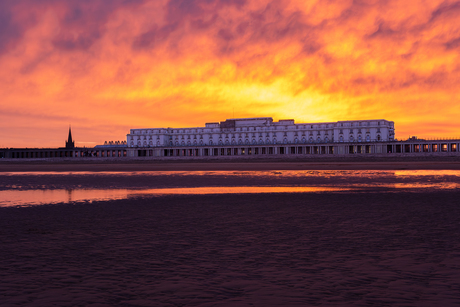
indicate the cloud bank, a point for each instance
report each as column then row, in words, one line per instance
column 105, row 66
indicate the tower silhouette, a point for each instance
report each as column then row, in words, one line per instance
column 69, row 143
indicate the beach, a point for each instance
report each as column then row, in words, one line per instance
column 255, row 164
column 380, row 245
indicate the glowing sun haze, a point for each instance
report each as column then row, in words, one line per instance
column 105, row 66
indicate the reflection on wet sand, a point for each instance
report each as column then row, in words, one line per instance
column 10, row 198
column 37, row 197
column 408, row 185
column 233, row 190
column 35, row 188
column 412, row 173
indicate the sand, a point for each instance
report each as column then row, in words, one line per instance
column 361, row 249
column 99, row 165
column 368, row 248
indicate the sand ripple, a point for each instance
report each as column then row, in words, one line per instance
column 398, row 249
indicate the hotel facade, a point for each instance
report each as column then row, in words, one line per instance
column 260, row 136
column 263, row 131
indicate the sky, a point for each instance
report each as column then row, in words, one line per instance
column 105, row 66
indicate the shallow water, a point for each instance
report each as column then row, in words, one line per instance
column 37, row 188
column 39, row 197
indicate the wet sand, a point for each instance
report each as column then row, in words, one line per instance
column 373, row 180
column 96, row 165
column 375, row 247
column 329, row 249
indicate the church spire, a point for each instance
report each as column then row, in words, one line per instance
column 69, row 143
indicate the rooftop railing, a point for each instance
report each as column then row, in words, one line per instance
column 411, row 139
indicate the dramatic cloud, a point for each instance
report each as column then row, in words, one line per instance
column 105, row 66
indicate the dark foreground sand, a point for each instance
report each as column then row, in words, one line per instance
column 346, row 249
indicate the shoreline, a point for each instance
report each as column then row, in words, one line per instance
column 134, row 165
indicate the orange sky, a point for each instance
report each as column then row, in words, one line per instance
column 105, row 66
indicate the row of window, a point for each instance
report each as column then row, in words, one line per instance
column 359, row 139
column 359, row 124
column 254, row 141
column 359, row 131
column 247, row 135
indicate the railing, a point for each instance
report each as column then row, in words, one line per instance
column 429, row 139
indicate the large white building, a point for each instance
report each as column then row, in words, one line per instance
column 253, row 138
column 263, row 131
